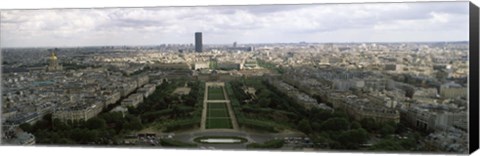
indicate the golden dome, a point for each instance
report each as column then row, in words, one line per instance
column 53, row 57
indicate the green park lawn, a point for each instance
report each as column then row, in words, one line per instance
column 216, row 106
column 218, row 113
column 215, row 93
column 217, row 116
column 219, row 123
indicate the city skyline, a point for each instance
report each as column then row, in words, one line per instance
column 374, row 22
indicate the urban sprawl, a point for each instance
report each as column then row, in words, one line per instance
column 286, row 96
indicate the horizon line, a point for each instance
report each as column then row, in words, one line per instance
column 299, row 42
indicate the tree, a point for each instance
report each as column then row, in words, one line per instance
column 409, row 92
column 387, row 145
column 369, row 124
column 401, row 128
column 64, row 141
column 355, row 125
column 42, row 124
column 264, row 102
column 410, row 142
column 318, row 98
column 335, row 124
column 190, row 101
column 271, row 144
column 47, row 117
column 112, row 117
column 96, row 123
column 387, row 130
column 26, row 127
column 316, row 126
column 59, row 125
column 353, row 138
column 90, row 135
column 339, row 114
column 133, row 123
column 76, row 134
column 263, row 93
column 175, row 111
column 304, row 126
column 321, row 140
column 359, row 136
column 318, row 114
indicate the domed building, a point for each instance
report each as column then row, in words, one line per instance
column 53, row 63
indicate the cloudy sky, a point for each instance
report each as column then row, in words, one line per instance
column 381, row 22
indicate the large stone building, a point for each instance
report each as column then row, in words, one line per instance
column 204, row 65
column 299, row 97
column 147, row 90
column 111, row 98
column 361, row 108
column 133, row 100
column 428, row 120
column 77, row 112
column 127, row 88
column 53, row 63
column 453, row 90
column 142, row 80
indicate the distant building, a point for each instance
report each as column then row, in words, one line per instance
column 427, row 120
column 361, row 108
column 133, row 100
column 250, row 64
column 78, row 112
column 53, row 63
column 142, row 80
column 441, row 66
column 20, row 138
column 147, row 90
column 452, row 90
column 228, row 66
column 203, row 65
column 391, row 67
column 240, row 48
column 198, row 42
column 112, row 98
column 234, row 44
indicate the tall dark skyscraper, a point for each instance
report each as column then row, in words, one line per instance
column 198, row 42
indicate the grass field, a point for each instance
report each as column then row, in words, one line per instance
column 217, row 113
column 217, row 116
column 216, row 106
column 215, row 93
column 220, row 123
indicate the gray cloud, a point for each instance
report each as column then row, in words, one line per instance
column 224, row 24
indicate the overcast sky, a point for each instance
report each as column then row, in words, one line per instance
column 374, row 22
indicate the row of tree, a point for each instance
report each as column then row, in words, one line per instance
column 103, row 129
column 335, row 130
column 268, row 111
column 109, row 127
column 270, row 66
column 271, row 144
column 171, row 111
